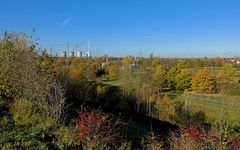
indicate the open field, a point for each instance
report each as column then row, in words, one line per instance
column 216, row 107
column 214, row 70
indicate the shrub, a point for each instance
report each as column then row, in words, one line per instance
column 195, row 137
column 101, row 90
column 231, row 89
column 33, row 100
column 22, row 138
column 65, row 136
column 27, row 74
column 198, row 117
column 23, row 112
column 184, row 116
column 125, row 146
column 19, row 66
column 153, row 143
column 5, row 91
column 166, row 109
column 183, row 140
column 181, row 115
column 46, row 122
column 1, row 103
column 26, row 113
column 94, row 128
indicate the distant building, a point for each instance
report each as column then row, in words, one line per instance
column 64, row 54
column 88, row 54
column 79, row 54
column 71, row 54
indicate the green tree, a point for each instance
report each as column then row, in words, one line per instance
column 183, row 80
column 159, row 77
column 171, row 75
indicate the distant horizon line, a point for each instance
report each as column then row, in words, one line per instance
column 166, row 57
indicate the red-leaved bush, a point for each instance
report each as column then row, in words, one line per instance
column 95, row 128
column 195, row 137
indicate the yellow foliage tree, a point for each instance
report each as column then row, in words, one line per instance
column 166, row 108
column 127, row 61
column 225, row 76
column 204, row 82
column 113, row 71
column 76, row 72
column 159, row 77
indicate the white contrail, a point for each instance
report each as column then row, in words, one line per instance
column 66, row 21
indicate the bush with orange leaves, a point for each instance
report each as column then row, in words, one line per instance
column 96, row 129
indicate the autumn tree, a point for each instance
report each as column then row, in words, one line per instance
column 226, row 76
column 204, row 82
column 82, row 69
column 127, row 61
column 155, row 62
column 22, row 69
column 92, row 67
column 218, row 61
column 113, row 71
column 159, row 77
column 26, row 74
column 165, row 107
column 183, row 64
column 171, row 77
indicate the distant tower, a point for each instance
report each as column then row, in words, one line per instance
column 79, row 54
column 89, row 52
column 64, row 54
column 151, row 56
column 71, row 53
column 68, row 50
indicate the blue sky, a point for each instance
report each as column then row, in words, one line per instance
column 166, row 28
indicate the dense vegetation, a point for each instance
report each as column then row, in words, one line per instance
column 88, row 103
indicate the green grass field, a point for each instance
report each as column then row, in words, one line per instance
column 216, row 107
